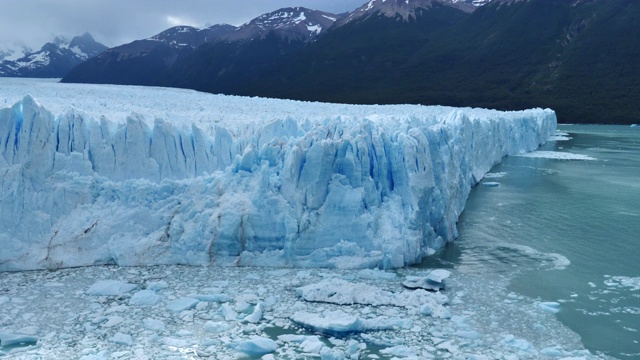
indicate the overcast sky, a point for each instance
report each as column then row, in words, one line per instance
column 115, row 22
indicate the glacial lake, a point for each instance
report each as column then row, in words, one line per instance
column 564, row 231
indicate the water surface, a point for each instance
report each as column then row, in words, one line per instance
column 565, row 231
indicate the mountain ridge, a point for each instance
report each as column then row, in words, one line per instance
column 53, row 60
column 506, row 54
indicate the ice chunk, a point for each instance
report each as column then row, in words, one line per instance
column 491, row 183
column 631, row 283
column 556, row 155
column 255, row 346
column 552, row 352
column 122, row 339
column 219, row 298
column 256, row 315
column 435, row 311
column 519, row 344
column 331, row 354
column 157, row 285
column 110, row 288
column 145, row 298
column 467, row 334
column 228, row 313
column 113, row 321
column 294, row 338
column 438, row 275
column 339, row 323
column 338, row 291
column 312, row 345
column 400, row 350
column 550, row 306
column 435, row 280
column 181, row 304
column 216, row 326
column 154, row 324
column 342, row 292
column 494, row 175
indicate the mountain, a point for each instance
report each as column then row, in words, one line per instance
column 147, row 61
column 577, row 57
column 252, row 51
column 359, row 54
column 405, row 9
column 293, row 23
column 227, row 55
column 53, row 60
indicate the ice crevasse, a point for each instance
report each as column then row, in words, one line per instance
column 347, row 191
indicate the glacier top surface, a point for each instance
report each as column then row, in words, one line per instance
column 186, row 107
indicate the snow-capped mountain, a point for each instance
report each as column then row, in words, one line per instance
column 181, row 36
column 182, row 51
column 293, row 23
column 53, row 59
column 407, row 8
column 146, row 61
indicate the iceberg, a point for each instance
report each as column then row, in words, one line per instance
column 239, row 181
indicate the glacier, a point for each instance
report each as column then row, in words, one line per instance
column 99, row 174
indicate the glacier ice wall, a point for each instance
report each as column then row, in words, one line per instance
column 348, row 191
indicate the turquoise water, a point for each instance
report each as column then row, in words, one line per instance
column 566, row 231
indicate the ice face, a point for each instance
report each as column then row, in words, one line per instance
column 363, row 187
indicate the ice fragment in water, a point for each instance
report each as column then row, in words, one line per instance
column 182, row 304
column 145, row 298
column 434, row 281
column 255, row 346
column 110, row 288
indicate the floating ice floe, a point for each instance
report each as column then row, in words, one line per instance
column 494, row 175
column 550, row 306
column 218, row 298
column 154, row 324
column 556, row 155
column 255, row 346
column 145, row 298
column 216, row 326
column 339, row 323
column 491, row 183
column 110, row 288
column 338, row 291
column 181, row 304
column 122, row 339
column 434, row 281
column 631, row 283
column 560, row 136
column 255, row 316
